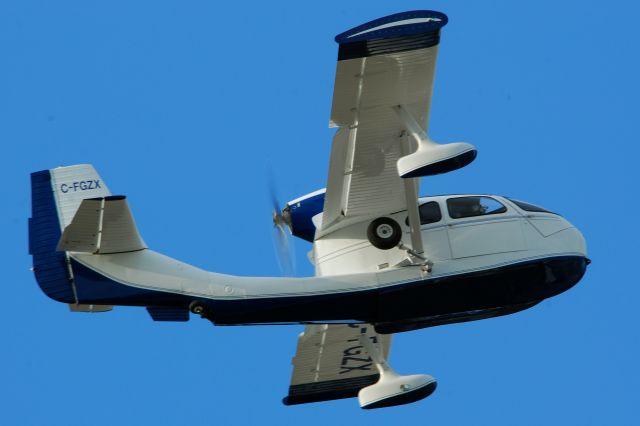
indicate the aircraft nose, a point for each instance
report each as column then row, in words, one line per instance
column 575, row 242
column 569, row 241
column 582, row 244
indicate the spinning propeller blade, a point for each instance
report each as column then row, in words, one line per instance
column 281, row 236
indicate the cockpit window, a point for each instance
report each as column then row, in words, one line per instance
column 528, row 207
column 429, row 213
column 473, row 206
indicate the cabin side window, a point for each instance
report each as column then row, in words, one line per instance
column 429, row 213
column 462, row 207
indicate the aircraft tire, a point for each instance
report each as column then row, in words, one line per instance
column 198, row 308
column 384, row 233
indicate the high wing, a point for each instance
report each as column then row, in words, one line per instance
column 331, row 363
column 383, row 64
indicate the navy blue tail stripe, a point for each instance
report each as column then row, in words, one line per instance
column 49, row 265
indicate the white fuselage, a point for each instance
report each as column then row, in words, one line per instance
column 492, row 259
column 454, row 244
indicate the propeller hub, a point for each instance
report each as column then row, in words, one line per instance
column 282, row 218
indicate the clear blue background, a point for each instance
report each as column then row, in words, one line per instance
column 181, row 104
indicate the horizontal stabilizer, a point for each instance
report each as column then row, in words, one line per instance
column 102, row 225
column 159, row 313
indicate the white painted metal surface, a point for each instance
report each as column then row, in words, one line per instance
column 71, row 185
column 391, row 384
column 363, row 178
column 456, row 244
column 102, row 226
column 151, row 270
column 334, row 352
column 428, row 152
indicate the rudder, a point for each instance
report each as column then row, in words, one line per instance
column 55, row 196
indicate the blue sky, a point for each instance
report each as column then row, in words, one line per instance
column 180, row 105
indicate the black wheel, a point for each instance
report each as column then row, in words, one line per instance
column 197, row 308
column 384, row 233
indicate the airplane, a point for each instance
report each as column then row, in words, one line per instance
column 386, row 260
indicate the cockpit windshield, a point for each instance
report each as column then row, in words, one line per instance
column 528, row 207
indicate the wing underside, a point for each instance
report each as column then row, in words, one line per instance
column 381, row 65
column 331, row 363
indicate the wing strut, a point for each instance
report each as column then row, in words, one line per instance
column 410, row 184
column 411, row 195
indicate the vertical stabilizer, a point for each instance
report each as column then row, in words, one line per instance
column 73, row 184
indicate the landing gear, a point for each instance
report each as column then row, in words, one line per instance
column 384, row 233
column 415, row 258
column 198, row 308
column 392, row 388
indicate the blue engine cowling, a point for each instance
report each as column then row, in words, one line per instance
column 302, row 210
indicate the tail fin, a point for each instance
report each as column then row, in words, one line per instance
column 55, row 197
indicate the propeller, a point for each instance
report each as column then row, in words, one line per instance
column 281, row 235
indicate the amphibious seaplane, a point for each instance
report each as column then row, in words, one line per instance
column 386, row 260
